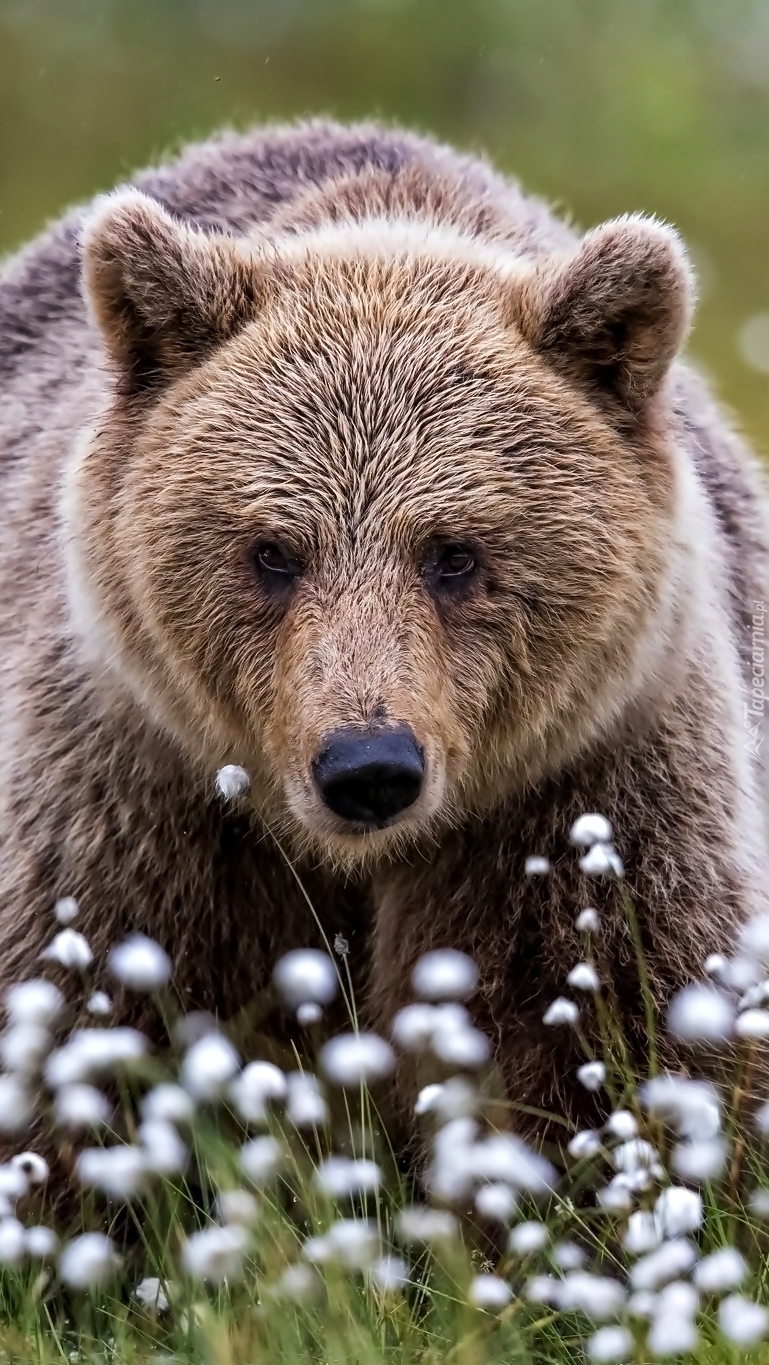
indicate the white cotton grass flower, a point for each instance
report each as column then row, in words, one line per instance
column 702, row 1014
column 585, row 1144
column 528, row 1238
column 150, row 1293
column 543, row 1289
column 119, row 1172
column 505, row 1157
column 637, row 1154
column 622, row 1124
column 81, row 1106
column 99, row 1004
column 419, row 1224
column 584, row 977
column 309, row 1014
column 164, row 1152
column 755, row 996
column 353, row 1059
column 611, row 1344
column 66, row 909
column 699, row 1162
column 642, row 1233
column 88, row 1261
column 601, row 860
column 23, row 1047
column 489, row 1292
column 715, row 965
column 94, row 1052
column 354, row 1242
column 237, row 1206
column 37, row 1002
column 672, row 1334
column 232, row 781
column 752, row 1024
column 41, row 1242
column 669, row 1261
column 298, row 1284
column 261, row 1160
column 597, row 1296
column 17, row 1105
column 587, row 921
column 451, row 1175
column 568, row 1256
column 561, row 1011
column 754, row 939
column 256, row 1089
column 306, row 976
column 306, row 1105
column 388, row 1274
column 619, row 1195
column 12, row 1241
column 140, row 964
column 70, row 949
column 342, row 1177
column 741, row 1321
column 216, row 1253
column 413, row 1026
column 14, row 1181
column 169, row 1103
column 33, row 1166
column 536, row 866
column 758, row 1203
column 678, row 1210
column 465, row 1048
column 496, row 1202
column 208, row 1066
column 589, row 830
column 349, row 1242
column 454, row 1098
column 445, row 974
column 720, row 1271
column 592, row 1075
column 692, row 1107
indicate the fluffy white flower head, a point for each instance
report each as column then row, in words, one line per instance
column 589, row 830
column 678, row 1210
column 701, row 1014
column 445, row 975
column 584, row 977
column 353, row 1059
column 232, row 781
column 561, row 1011
column 69, row 949
column 140, row 964
column 66, row 909
column 34, row 1002
column 259, row 1085
column 489, row 1292
column 208, row 1066
column 216, row 1253
column 306, row 976
column 536, row 866
column 88, row 1261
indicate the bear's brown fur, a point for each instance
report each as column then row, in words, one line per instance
column 358, row 346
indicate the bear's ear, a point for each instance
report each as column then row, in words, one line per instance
column 615, row 314
column 163, row 293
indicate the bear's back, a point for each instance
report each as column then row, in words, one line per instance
column 235, row 183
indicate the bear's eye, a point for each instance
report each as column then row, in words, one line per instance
column 451, row 565
column 276, row 564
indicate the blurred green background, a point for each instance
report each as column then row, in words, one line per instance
column 600, row 105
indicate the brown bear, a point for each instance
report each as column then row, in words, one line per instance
column 328, row 453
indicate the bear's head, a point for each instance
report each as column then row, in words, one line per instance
column 377, row 511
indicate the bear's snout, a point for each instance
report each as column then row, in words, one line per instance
column 369, row 776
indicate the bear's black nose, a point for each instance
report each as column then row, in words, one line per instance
column 368, row 776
